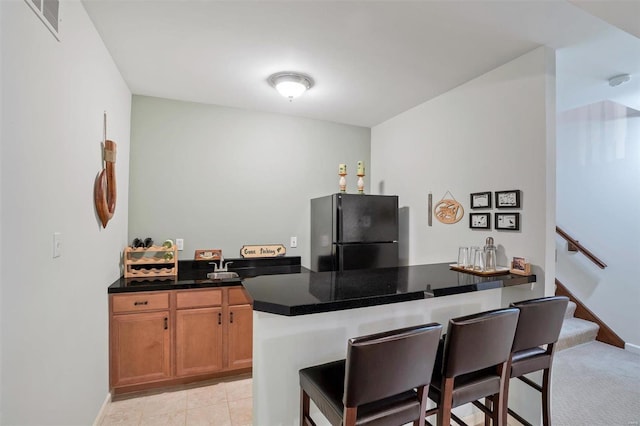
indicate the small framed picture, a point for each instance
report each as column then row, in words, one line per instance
column 508, row 199
column 520, row 266
column 481, row 200
column 480, row 220
column 508, row 221
column 518, row 263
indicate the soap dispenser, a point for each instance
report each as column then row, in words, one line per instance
column 490, row 255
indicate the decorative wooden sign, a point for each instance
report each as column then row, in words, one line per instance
column 208, row 254
column 448, row 210
column 271, row 250
column 104, row 187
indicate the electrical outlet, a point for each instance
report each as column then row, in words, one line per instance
column 180, row 244
column 57, row 244
column 294, row 242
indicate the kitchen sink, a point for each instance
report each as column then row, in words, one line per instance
column 221, row 275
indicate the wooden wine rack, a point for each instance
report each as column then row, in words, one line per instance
column 150, row 262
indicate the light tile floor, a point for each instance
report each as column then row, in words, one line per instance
column 226, row 402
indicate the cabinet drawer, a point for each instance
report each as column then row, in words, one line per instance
column 198, row 298
column 140, row 302
column 238, row 296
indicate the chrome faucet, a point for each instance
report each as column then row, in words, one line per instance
column 223, row 265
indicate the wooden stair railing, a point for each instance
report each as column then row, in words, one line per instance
column 605, row 334
column 574, row 245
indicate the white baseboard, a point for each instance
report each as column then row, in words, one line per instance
column 632, row 348
column 103, row 409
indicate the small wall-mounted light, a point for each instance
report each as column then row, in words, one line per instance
column 291, row 84
column 619, row 79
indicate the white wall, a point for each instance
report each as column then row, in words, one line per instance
column 1, row 204
column 489, row 134
column 54, row 311
column 599, row 204
column 494, row 133
column 223, row 177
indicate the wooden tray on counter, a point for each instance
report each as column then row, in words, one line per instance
column 501, row 270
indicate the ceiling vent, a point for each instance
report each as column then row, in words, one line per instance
column 48, row 11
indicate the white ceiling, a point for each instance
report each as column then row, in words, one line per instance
column 371, row 60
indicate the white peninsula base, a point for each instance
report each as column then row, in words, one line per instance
column 282, row 345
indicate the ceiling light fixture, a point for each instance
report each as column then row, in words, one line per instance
column 619, row 79
column 291, row 84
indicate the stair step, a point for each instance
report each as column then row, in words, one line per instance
column 576, row 331
column 571, row 310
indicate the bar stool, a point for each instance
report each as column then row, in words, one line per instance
column 383, row 380
column 539, row 324
column 472, row 363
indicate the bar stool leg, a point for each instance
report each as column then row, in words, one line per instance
column 350, row 415
column 446, row 402
column 546, row 397
column 505, row 406
column 489, row 403
column 500, row 404
column 422, row 396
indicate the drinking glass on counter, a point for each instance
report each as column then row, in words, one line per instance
column 463, row 257
column 472, row 256
column 478, row 260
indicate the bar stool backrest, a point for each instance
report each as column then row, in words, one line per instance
column 540, row 321
column 479, row 341
column 389, row 363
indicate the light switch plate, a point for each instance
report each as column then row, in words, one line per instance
column 180, row 244
column 294, row 242
column 57, row 244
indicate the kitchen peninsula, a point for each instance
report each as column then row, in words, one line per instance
column 305, row 319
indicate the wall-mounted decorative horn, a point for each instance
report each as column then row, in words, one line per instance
column 104, row 190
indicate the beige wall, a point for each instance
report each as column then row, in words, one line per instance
column 223, row 177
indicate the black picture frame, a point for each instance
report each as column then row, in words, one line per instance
column 508, row 199
column 480, row 220
column 480, row 200
column 507, row 221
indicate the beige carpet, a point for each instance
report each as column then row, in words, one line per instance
column 596, row 384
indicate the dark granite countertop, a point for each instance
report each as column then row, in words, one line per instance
column 193, row 274
column 128, row 285
column 282, row 286
column 315, row 292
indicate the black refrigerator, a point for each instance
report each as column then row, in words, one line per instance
column 354, row 231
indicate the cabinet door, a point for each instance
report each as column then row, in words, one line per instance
column 198, row 341
column 240, row 344
column 140, row 348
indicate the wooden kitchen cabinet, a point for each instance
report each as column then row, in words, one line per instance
column 140, row 343
column 171, row 337
column 240, row 329
column 198, row 341
column 240, row 342
column 199, row 332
